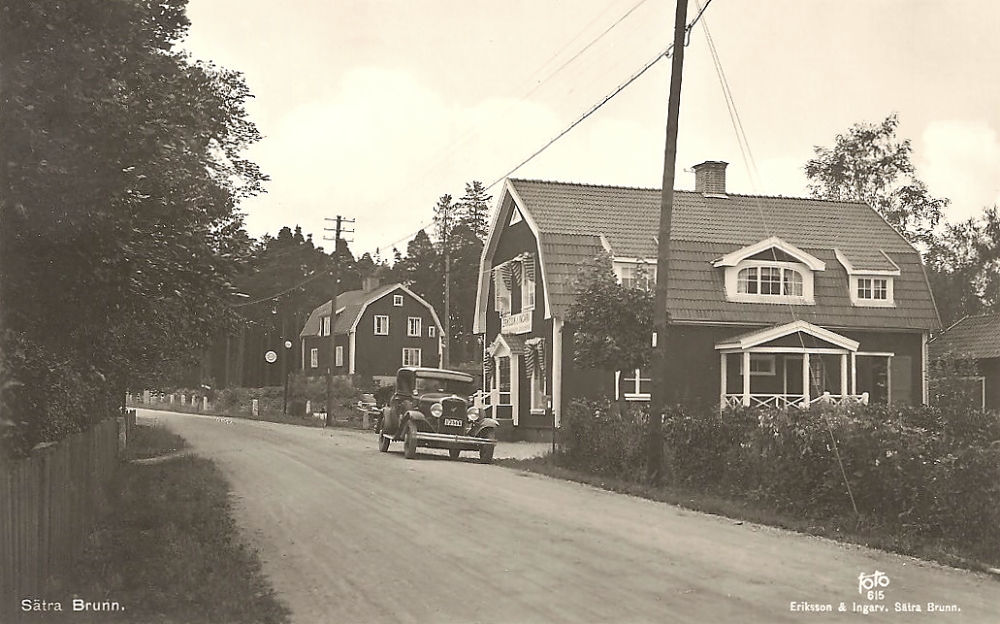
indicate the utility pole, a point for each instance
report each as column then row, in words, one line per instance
column 446, row 349
column 662, row 395
column 335, row 272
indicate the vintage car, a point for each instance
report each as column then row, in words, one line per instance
column 431, row 407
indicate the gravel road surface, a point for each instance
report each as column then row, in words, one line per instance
column 351, row 535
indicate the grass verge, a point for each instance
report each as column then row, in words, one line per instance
column 169, row 551
column 844, row 528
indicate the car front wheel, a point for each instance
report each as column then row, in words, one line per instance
column 410, row 441
column 383, row 441
column 486, row 452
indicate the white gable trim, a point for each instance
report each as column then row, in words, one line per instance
column 489, row 249
column 748, row 341
column 364, row 307
column 734, row 258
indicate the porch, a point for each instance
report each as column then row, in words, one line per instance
column 796, row 365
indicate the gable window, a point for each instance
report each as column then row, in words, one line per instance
column 397, row 300
column 324, row 326
column 313, row 358
column 339, row 358
column 431, row 331
column 770, row 271
column 411, row 357
column 414, row 326
column 514, row 285
column 381, row 325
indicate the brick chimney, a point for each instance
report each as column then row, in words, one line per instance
column 710, row 178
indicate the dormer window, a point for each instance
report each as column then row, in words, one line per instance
column 771, row 271
column 871, row 275
column 636, row 274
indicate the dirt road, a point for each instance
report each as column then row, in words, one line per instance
column 350, row 535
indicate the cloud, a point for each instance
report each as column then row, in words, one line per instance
column 961, row 161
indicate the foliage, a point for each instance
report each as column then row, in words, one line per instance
column 613, row 325
column 119, row 234
column 868, row 164
column 170, row 551
column 927, row 471
column 964, row 267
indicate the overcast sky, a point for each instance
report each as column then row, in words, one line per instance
column 373, row 109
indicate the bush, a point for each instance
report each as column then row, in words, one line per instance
column 927, row 471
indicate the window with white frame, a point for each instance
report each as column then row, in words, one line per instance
column 397, row 300
column 769, row 280
column 873, row 288
column 414, row 326
column 431, row 331
column 514, row 285
column 339, row 358
column 324, row 323
column 872, row 291
column 633, row 386
column 381, row 325
column 313, row 358
column 640, row 275
column 760, row 364
column 411, row 357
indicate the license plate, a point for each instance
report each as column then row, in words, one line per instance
column 452, row 422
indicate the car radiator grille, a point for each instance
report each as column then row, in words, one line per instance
column 453, row 410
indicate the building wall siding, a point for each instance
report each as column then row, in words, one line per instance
column 383, row 355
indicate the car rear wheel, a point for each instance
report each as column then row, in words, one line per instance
column 486, row 452
column 454, row 453
column 410, row 441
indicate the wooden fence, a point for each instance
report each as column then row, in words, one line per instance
column 49, row 503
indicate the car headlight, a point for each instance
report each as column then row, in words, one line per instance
column 473, row 413
column 436, row 410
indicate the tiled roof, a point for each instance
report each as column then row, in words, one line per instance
column 351, row 302
column 564, row 255
column 630, row 218
column 975, row 337
column 572, row 217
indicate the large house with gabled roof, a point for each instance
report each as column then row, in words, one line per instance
column 774, row 301
column 377, row 329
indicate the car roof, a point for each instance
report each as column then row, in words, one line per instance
column 438, row 373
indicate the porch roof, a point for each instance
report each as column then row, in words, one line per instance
column 749, row 340
column 515, row 344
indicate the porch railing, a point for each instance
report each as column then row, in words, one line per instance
column 784, row 401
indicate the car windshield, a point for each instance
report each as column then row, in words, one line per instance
column 436, row 384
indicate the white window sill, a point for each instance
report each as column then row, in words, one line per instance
column 538, row 412
column 873, row 303
column 779, row 299
column 637, row 397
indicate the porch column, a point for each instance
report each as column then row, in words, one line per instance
column 746, row 379
column 515, row 386
column 722, row 381
column 843, row 376
column 805, row 379
column 854, row 372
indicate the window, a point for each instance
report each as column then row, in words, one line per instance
column 381, row 325
column 339, row 358
column 324, row 326
column 414, row 326
column 313, row 358
column 397, row 300
column 431, row 331
column 760, row 364
column 514, row 285
column 872, row 291
column 633, row 386
column 638, row 275
column 873, row 288
column 770, row 281
column 538, row 398
column 411, row 357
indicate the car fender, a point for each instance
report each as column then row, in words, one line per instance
column 414, row 415
column 483, row 425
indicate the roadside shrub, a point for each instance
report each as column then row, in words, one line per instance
column 597, row 439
